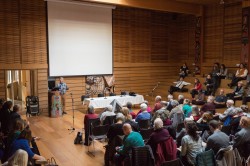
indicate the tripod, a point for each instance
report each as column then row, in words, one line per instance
column 72, row 129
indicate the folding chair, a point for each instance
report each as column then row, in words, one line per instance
column 145, row 133
column 109, row 120
column 144, row 124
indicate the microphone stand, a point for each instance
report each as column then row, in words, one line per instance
column 152, row 92
column 72, row 129
column 104, row 92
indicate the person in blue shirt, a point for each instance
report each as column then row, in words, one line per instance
column 63, row 89
column 144, row 115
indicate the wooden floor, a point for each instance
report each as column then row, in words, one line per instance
column 58, row 143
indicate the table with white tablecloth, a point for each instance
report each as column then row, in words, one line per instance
column 102, row 102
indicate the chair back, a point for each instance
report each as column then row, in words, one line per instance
column 92, row 122
column 142, row 156
column 226, row 129
column 176, row 162
column 100, row 130
column 145, row 133
column 206, row 158
column 109, row 120
column 144, row 124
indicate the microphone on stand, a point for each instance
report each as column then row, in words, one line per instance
column 105, row 93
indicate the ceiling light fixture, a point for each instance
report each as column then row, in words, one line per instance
column 222, row 2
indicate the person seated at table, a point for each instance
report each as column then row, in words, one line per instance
column 197, row 87
column 191, row 144
column 242, row 138
column 162, row 113
column 157, row 104
column 144, row 115
column 241, row 74
column 209, row 83
column 159, row 135
column 108, row 112
column 199, row 100
column 218, row 139
column 184, row 70
column 131, row 139
column 90, row 115
column 220, row 100
column 230, row 111
column 237, row 92
column 129, row 106
column 209, row 106
column 179, row 85
column 148, row 108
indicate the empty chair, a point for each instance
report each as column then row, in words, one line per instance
column 176, row 162
column 144, row 124
column 109, row 120
column 145, row 133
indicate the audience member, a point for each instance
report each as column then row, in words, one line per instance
column 220, row 100
column 237, row 92
column 197, row 87
column 209, row 106
column 195, row 116
column 160, row 135
column 180, row 99
column 170, row 99
column 90, row 115
column 218, row 139
column 162, row 113
column 157, row 104
column 14, row 115
column 197, row 70
column 23, row 142
column 245, row 110
column 242, row 138
column 241, row 74
column 191, row 145
column 215, row 78
column 230, row 111
column 209, row 83
column 108, row 112
column 184, row 70
column 19, row 158
column 179, row 85
column 5, row 117
column 235, row 121
column 148, row 108
column 129, row 106
column 131, row 139
column 128, row 119
column 187, row 110
column 199, row 99
column 115, row 129
column 175, row 109
column 144, row 115
column 223, row 71
column 180, row 134
column 202, row 123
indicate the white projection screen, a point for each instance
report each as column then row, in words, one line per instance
column 79, row 39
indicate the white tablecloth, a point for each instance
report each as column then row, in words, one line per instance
column 101, row 102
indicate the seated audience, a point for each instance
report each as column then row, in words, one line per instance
column 128, row 119
column 144, row 115
column 245, row 110
column 220, row 100
column 19, row 158
column 131, row 139
column 242, row 138
column 202, row 123
column 209, row 83
column 197, row 87
column 191, row 145
column 23, row 142
column 215, row 77
column 108, row 112
column 187, row 110
column 14, row 115
column 148, row 108
column 184, row 70
column 223, row 71
column 241, row 74
column 237, row 92
column 230, row 111
column 158, row 136
column 175, row 109
column 5, row 117
column 129, row 106
column 246, row 96
column 116, row 128
column 209, row 106
column 195, row 116
column 157, row 104
column 199, row 100
column 90, row 115
column 170, row 99
column 179, row 85
column 218, row 139
column 197, row 70
column 162, row 113
column 235, row 121
column 180, row 99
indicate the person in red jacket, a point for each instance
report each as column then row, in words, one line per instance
column 197, row 87
column 91, row 115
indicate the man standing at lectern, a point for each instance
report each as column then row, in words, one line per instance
column 63, row 88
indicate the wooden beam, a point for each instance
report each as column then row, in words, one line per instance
column 23, row 66
column 160, row 5
column 245, row 3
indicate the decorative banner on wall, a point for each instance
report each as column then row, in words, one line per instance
column 197, row 41
column 245, row 35
column 97, row 84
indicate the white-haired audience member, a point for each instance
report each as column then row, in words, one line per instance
column 108, row 112
column 90, row 115
column 195, row 116
column 220, row 100
column 230, row 111
column 175, row 109
column 19, row 158
column 180, row 99
column 157, row 104
column 144, row 115
column 162, row 113
column 170, row 99
column 148, row 108
column 209, row 106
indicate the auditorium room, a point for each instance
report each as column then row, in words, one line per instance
column 124, row 82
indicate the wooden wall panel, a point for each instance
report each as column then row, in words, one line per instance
column 2, row 85
column 42, row 88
